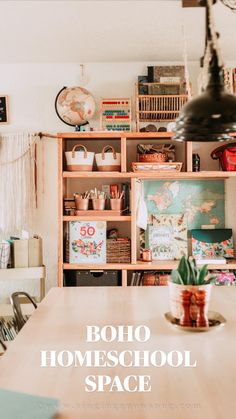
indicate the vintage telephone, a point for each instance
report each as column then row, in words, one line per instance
column 226, row 155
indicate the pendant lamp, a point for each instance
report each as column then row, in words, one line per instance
column 211, row 116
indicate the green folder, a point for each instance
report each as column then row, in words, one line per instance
column 15, row 405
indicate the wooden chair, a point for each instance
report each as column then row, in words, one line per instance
column 16, row 305
column 2, row 345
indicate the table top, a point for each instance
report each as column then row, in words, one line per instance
column 60, row 324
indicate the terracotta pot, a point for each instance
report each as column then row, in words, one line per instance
column 147, row 255
column 175, row 297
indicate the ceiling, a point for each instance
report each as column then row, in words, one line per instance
column 107, row 31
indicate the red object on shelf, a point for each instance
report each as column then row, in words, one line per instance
column 114, row 189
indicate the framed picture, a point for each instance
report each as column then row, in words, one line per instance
column 4, row 117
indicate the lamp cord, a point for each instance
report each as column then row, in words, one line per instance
column 213, row 33
column 212, row 44
column 231, row 4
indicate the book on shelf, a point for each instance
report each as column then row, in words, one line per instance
column 206, row 260
column 7, row 329
column 149, row 278
column 212, row 243
column 87, row 242
column 136, row 279
column 125, row 187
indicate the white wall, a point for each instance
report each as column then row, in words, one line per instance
column 32, row 89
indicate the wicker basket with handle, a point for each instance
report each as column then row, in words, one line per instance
column 108, row 161
column 79, row 160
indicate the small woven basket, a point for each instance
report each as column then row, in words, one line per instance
column 153, row 157
column 118, row 251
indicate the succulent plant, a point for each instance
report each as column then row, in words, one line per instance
column 188, row 273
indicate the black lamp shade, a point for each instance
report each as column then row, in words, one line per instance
column 209, row 117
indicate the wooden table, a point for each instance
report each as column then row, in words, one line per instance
column 207, row 391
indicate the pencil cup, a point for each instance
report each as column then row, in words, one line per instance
column 98, row 204
column 116, row 204
column 81, row 204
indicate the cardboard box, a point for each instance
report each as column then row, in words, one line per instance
column 35, row 252
column 20, row 254
column 28, row 253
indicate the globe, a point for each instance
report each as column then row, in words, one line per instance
column 75, row 105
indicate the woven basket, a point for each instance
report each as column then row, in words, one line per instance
column 118, row 251
column 153, row 157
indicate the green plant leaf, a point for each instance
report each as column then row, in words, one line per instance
column 210, row 279
column 176, row 277
column 193, row 271
column 202, row 275
column 183, row 269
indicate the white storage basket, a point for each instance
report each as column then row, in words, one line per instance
column 108, row 161
column 79, row 160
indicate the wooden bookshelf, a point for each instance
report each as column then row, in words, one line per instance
column 145, row 175
column 95, row 217
column 157, row 265
column 127, row 141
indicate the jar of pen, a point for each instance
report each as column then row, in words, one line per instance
column 81, row 201
column 99, row 200
column 117, row 201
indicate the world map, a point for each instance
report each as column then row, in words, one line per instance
column 202, row 202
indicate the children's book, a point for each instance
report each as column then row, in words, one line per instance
column 87, row 241
column 167, row 237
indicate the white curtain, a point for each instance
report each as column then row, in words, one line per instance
column 17, row 182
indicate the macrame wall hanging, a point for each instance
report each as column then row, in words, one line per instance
column 17, row 182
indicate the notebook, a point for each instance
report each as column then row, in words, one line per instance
column 15, row 405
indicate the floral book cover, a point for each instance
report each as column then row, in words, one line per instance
column 212, row 243
column 87, row 241
column 167, row 237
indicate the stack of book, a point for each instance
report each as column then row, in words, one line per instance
column 8, row 329
column 149, row 278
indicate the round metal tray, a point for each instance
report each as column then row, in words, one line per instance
column 216, row 320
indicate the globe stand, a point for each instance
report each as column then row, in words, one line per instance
column 78, row 127
column 75, row 106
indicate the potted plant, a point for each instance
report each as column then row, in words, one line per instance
column 190, row 291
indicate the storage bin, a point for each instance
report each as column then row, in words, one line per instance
column 118, row 251
column 93, row 278
column 81, row 161
column 108, row 161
